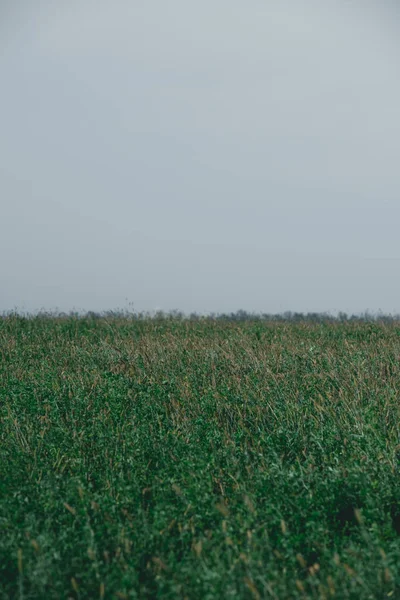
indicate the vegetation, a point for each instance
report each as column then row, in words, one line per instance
column 199, row 458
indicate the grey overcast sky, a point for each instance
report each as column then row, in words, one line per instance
column 205, row 156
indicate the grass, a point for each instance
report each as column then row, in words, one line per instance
column 198, row 459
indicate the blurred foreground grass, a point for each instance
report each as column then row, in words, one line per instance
column 179, row 459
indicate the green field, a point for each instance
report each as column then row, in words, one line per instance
column 206, row 459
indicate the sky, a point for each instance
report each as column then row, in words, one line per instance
column 201, row 156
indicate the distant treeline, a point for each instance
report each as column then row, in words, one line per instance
column 238, row 316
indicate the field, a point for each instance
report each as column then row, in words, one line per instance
column 204, row 459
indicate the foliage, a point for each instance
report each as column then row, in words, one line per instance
column 198, row 458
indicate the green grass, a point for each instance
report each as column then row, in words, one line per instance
column 182, row 459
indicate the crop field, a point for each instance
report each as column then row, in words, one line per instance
column 199, row 459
